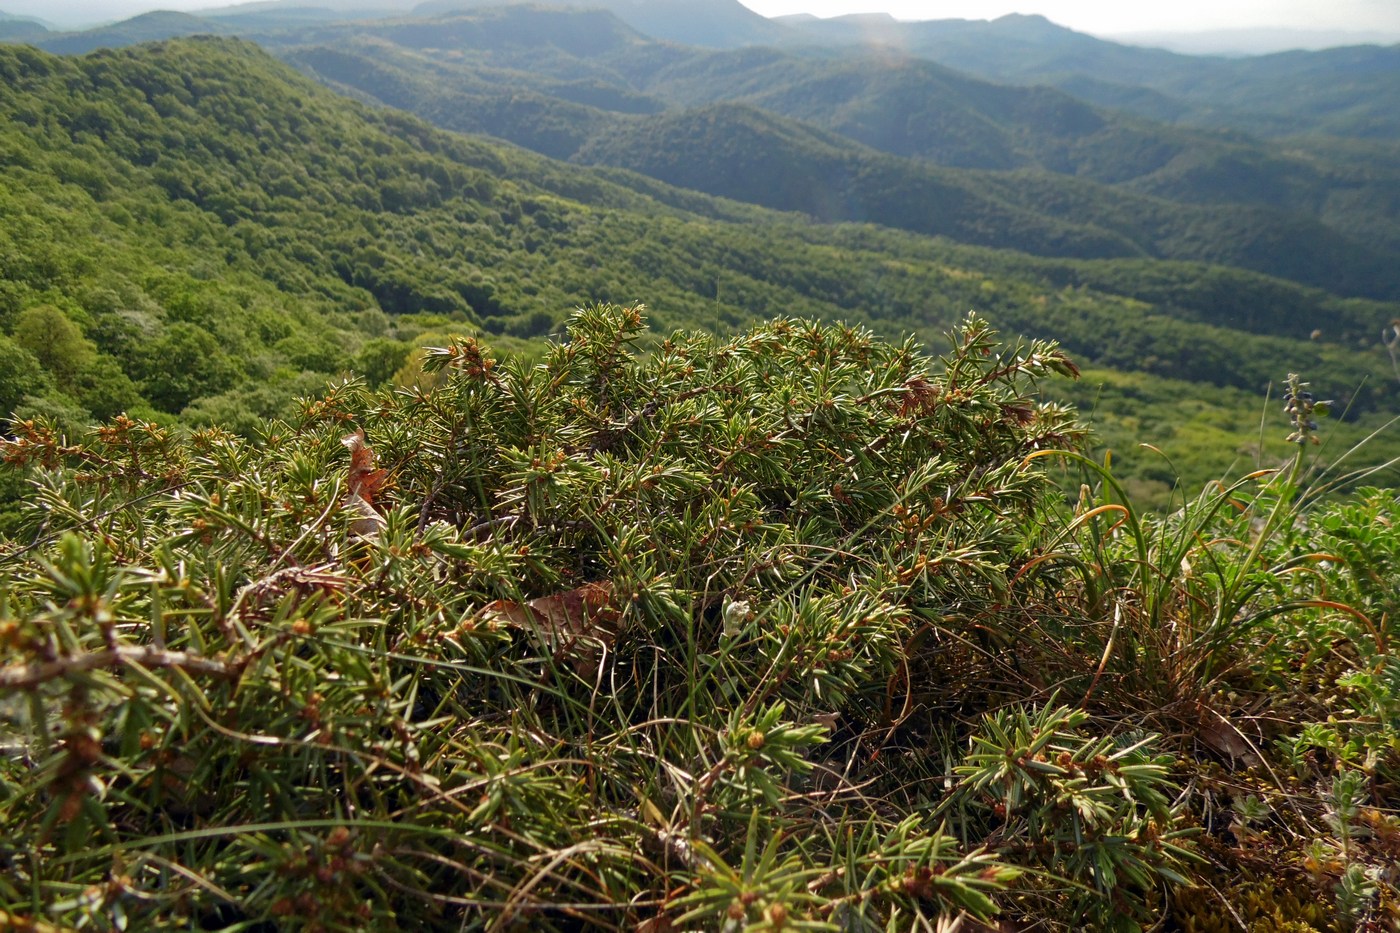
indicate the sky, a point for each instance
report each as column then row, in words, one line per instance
column 1105, row 17
column 1099, row 17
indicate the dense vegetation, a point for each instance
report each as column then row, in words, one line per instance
column 786, row 630
column 1089, row 182
column 751, row 626
column 192, row 230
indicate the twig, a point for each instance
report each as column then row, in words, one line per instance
column 9, row 921
column 28, row 676
column 476, row 530
column 43, row 537
column 610, row 436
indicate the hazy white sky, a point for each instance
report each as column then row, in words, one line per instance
column 1110, row 16
column 1095, row 16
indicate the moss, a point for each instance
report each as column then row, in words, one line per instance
column 1262, row 905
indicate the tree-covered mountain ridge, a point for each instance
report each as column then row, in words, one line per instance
column 1296, row 211
column 193, row 229
column 1344, row 91
column 577, row 83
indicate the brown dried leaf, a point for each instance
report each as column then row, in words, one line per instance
column 1222, row 737
column 561, row 621
column 362, row 482
column 362, row 479
column 365, row 522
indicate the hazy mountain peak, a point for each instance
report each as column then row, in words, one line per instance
column 13, row 18
column 317, row 9
column 715, row 23
column 865, row 19
column 1247, row 42
column 1031, row 26
column 15, row 26
column 163, row 17
column 1030, row 18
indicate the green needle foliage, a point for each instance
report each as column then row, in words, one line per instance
column 1089, row 810
column 787, row 630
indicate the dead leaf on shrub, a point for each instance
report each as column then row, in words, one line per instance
column 1223, row 737
column 576, row 622
column 362, row 484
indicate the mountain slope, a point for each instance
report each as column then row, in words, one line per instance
column 715, row 23
column 1348, row 91
column 191, row 227
column 744, row 153
column 1328, row 225
column 567, row 83
column 144, row 28
column 1015, row 46
column 1345, row 91
column 466, row 102
column 20, row 28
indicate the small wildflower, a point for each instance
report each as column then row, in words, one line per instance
column 736, row 613
column 1301, row 406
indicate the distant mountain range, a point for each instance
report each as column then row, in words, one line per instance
column 880, row 138
column 715, row 23
column 1281, row 94
column 1258, row 41
column 859, row 118
column 727, row 23
column 20, row 28
column 214, row 233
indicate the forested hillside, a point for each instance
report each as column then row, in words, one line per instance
column 1340, row 92
column 580, row 84
column 740, row 152
column 1090, row 182
column 192, row 229
column 1347, row 92
column 716, row 23
column 20, row 30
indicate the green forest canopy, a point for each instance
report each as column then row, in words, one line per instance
column 192, row 229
